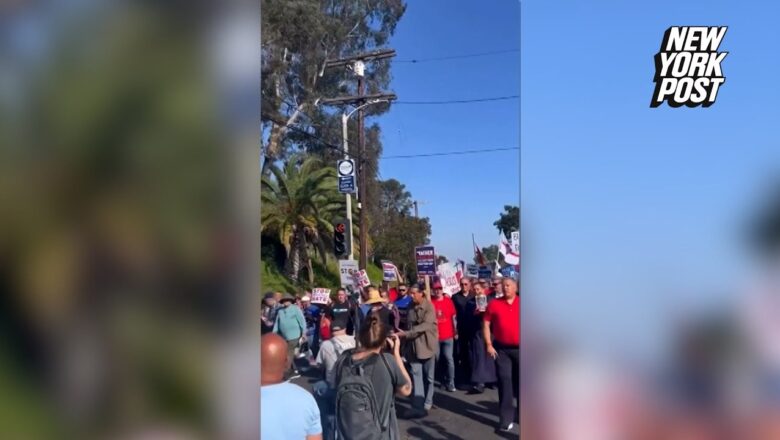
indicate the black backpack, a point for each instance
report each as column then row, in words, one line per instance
column 357, row 410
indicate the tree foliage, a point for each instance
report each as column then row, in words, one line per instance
column 396, row 232
column 298, row 36
column 509, row 221
column 490, row 253
column 300, row 202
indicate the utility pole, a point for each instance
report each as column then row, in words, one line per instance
column 363, row 261
column 415, row 203
column 357, row 65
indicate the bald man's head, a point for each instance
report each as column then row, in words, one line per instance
column 273, row 359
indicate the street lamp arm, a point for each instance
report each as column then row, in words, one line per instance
column 375, row 101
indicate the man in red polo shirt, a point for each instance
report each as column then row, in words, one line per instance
column 445, row 318
column 502, row 320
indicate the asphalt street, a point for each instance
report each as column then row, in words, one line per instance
column 456, row 415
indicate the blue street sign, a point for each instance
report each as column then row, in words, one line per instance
column 347, row 184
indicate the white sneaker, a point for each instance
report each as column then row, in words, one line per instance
column 507, row 428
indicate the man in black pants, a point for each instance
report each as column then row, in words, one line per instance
column 502, row 319
column 465, row 333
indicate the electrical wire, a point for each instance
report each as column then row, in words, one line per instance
column 459, row 101
column 327, row 144
column 451, row 153
column 457, row 57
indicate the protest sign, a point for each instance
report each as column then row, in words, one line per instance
column 389, row 270
column 516, row 242
column 448, row 279
column 320, row 296
column 361, row 278
column 472, row 270
column 347, row 268
column 426, row 260
column 485, row 272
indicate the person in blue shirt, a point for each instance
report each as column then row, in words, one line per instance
column 287, row 411
column 312, row 314
column 403, row 304
column 291, row 325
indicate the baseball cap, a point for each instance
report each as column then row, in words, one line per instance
column 437, row 285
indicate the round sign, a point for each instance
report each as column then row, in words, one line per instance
column 346, row 167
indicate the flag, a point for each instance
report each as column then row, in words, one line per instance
column 460, row 269
column 478, row 253
column 510, row 256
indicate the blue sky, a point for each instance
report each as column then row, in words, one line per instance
column 462, row 194
column 631, row 213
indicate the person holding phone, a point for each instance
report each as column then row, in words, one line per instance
column 387, row 376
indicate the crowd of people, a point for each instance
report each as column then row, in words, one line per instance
column 383, row 343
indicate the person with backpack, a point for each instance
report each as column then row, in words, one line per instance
column 369, row 376
column 331, row 349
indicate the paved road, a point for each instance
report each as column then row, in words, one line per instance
column 455, row 415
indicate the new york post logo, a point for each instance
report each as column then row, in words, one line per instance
column 688, row 67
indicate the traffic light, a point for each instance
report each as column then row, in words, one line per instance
column 342, row 236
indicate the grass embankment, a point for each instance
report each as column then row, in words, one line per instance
column 327, row 276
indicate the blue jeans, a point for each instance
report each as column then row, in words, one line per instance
column 445, row 349
column 422, row 381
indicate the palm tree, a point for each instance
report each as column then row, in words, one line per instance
column 299, row 203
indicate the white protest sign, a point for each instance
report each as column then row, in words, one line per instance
column 448, row 278
column 320, row 296
column 516, row 242
column 361, row 278
column 347, row 269
column 389, row 270
column 472, row 270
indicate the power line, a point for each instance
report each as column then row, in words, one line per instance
column 327, row 144
column 457, row 57
column 458, row 101
column 451, row 153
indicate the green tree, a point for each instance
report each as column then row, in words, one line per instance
column 299, row 203
column 490, row 253
column 298, row 36
column 441, row 259
column 395, row 230
column 509, row 221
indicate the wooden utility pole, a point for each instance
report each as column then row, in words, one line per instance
column 363, row 239
column 357, row 64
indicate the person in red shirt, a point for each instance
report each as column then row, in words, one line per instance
column 392, row 294
column 447, row 322
column 501, row 330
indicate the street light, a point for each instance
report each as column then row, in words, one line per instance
column 344, row 118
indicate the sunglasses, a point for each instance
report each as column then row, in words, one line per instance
column 464, row 284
